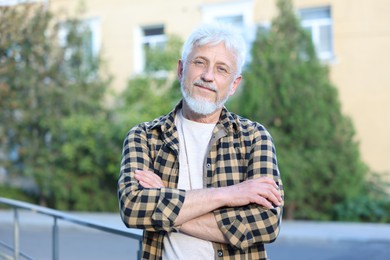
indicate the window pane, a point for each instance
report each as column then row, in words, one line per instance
column 154, row 31
column 309, row 29
column 237, row 20
column 315, row 13
column 16, row 2
column 153, row 42
column 153, row 37
column 318, row 22
column 325, row 39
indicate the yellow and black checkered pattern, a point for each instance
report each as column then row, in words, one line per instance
column 239, row 150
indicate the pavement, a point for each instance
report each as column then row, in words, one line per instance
column 290, row 230
column 298, row 240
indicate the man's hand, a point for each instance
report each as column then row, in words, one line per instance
column 195, row 216
column 262, row 191
column 148, row 179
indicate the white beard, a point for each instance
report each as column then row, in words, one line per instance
column 202, row 106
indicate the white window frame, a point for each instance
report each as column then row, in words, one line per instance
column 94, row 25
column 314, row 25
column 243, row 8
column 18, row 2
column 138, row 51
column 154, row 40
column 140, row 40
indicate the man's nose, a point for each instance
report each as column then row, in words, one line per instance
column 208, row 74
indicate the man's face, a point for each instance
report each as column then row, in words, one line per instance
column 208, row 78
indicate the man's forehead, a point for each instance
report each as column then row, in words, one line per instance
column 213, row 51
column 210, row 46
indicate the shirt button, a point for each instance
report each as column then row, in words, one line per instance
column 208, row 165
column 220, row 254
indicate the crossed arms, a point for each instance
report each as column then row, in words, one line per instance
column 241, row 215
column 196, row 217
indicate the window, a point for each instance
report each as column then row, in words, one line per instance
column 236, row 20
column 147, row 39
column 236, row 13
column 17, row 2
column 153, row 37
column 89, row 30
column 91, row 35
column 318, row 22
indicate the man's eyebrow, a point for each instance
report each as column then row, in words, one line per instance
column 200, row 57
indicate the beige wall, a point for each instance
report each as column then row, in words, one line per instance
column 362, row 73
column 360, row 70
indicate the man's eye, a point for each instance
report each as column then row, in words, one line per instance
column 198, row 62
column 222, row 69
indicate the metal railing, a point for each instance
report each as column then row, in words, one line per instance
column 56, row 215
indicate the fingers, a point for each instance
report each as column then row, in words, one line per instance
column 268, row 180
column 272, row 197
column 266, row 192
column 264, row 202
column 272, row 192
column 148, row 179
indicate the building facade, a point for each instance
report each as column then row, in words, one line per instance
column 352, row 37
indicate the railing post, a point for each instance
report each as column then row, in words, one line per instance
column 55, row 242
column 140, row 249
column 16, row 235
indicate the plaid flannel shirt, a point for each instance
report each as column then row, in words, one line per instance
column 239, row 150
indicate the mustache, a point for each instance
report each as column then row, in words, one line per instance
column 201, row 83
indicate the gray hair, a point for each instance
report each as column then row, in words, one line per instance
column 214, row 34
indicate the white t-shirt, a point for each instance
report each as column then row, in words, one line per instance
column 194, row 139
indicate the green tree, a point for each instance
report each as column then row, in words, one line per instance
column 165, row 57
column 51, row 97
column 90, row 164
column 155, row 92
column 287, row 89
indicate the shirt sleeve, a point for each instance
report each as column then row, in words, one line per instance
column 251, row 224
column 148, row 209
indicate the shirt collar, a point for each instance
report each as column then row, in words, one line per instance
column 166, row 123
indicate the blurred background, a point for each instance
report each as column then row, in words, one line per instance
column 75, row 76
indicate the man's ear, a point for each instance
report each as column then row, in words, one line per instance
column 179, row 69
column 235, row 83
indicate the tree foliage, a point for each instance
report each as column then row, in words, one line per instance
column 287, row 89
column 164, row 58
column 52, row 113
column 155, row 92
